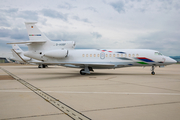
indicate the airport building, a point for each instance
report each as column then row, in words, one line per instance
column 3, row 60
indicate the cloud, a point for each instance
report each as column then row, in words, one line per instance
column 166, row 42
column 118, row 6
column 91, row 8
column 18, row 34
column 120, row 23
column 28, row 15
column 78, row 19
column 96, row 35
column 13, row 16
column 66, row 6
column 54, row 14
column 9, row 11
column 5, row 14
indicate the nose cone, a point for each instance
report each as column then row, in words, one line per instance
column 170, row 60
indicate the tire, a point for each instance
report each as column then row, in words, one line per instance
column 152, row 73
column 39, row 66
column 82, row 72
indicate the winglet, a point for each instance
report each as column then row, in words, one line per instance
column 17, row 48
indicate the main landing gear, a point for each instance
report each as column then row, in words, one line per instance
column 152, row 73
column 86, row 70
column 42, row 66
column 81, row 72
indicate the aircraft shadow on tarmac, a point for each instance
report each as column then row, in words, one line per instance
column 75, row 75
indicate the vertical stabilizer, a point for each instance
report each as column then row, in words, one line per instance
column 34, row 33
column 17, row 48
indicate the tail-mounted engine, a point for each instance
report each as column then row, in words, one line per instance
column 57, row 53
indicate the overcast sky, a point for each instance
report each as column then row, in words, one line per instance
column 107, row 24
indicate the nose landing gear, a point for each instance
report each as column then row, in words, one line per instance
column 152, row 73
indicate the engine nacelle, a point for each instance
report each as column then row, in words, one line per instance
column 34, row 55
column 56, row 53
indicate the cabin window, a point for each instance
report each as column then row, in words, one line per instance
column 106, row 55
column 86, row 55
column 121, row 55
column 137, row 55
column 133, row 55
column 90, row 55
column 94, row 55
column 157, row 53
column 129, row 55
column 125, row 55
column 83, row 55
column 98, row 55
column 114, row 55
column 109, row 55
column 117, row 55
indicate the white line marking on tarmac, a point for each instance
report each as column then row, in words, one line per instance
column 115, row 93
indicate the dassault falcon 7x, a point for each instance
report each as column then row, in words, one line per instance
column 63, row 53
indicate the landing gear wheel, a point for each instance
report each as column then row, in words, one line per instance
column 44, row 66
column 82, row 72
column 39, row 66
column 152, row 73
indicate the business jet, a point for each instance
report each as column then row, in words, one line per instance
column 56, row 53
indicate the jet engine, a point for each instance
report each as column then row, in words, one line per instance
column 57, row 53
column 34, row 55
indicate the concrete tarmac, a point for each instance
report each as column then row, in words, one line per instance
column 121, row 94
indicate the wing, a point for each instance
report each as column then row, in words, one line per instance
column 83, row 64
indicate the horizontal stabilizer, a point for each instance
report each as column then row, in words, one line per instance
column 31, row 41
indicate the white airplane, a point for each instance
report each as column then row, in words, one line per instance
column 64, row 54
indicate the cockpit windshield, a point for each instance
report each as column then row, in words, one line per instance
column 157, row 53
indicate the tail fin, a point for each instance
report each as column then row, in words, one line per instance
column 17, row 56
column 34, row 33
column 17, row 48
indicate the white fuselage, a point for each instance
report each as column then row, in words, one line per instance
column 113, row 57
